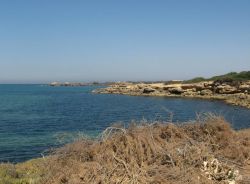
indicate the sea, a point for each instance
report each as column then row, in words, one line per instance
column 37, row 118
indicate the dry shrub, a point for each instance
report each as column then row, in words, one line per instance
column 203, row 152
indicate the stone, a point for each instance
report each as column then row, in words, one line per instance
column 226, row 89
column 244, row 87
column 242, row 96
column 206, row 92
column 140, row 86
column 208, row 83
column 197, row 87
column 188, row 86
column 189, row 92
column 54, row 84
column 176, row 91
column 148, row 90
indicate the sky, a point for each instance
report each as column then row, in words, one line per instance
column 116, row 40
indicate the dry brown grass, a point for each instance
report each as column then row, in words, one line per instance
column 203, row 152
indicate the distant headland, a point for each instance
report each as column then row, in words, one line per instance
column 75, row 84
column 233, row 88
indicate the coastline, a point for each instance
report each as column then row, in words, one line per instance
column 234, row 93
column 77, row 161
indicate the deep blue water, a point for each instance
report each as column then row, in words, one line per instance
column 34, row 118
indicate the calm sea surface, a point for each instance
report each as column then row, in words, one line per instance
column 34, row 118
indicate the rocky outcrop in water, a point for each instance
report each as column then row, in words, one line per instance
column 72, row 84
column 233, row 92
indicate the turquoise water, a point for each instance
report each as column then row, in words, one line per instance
column 34, row 118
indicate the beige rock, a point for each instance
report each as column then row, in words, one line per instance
column 140, row 86
column 54, row 84
column 176, row 91
column 171, row 86
column 189, row 92
column 148, row 90
column 206, row 92
column 226, row 89
column 198, row 86
column 244, row 87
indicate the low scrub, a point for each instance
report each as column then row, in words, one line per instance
column 202, row 152
column 233, row 76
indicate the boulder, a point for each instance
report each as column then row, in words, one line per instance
column 54, row 84
column 176, row 91
column 189, row 92
column 148, row 90
column 226, row 89
column 170, row 86
column 188, row 86
column 205, row 92
column 140, row 86
column 244, row 87
column 197, row 87
column 208, row 83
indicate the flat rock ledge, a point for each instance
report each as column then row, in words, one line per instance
column 232, row 92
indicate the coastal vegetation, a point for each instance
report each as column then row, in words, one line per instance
column 233, row 76
column 205, row 151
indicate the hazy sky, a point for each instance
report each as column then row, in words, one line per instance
column 80, row 40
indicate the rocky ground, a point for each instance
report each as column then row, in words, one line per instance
column 232, row 92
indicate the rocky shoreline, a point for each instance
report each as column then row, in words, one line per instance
column 232, row 92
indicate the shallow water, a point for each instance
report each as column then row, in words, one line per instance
column 34, row 118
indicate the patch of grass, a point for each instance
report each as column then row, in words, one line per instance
column 196, row 79
column 29, row 172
